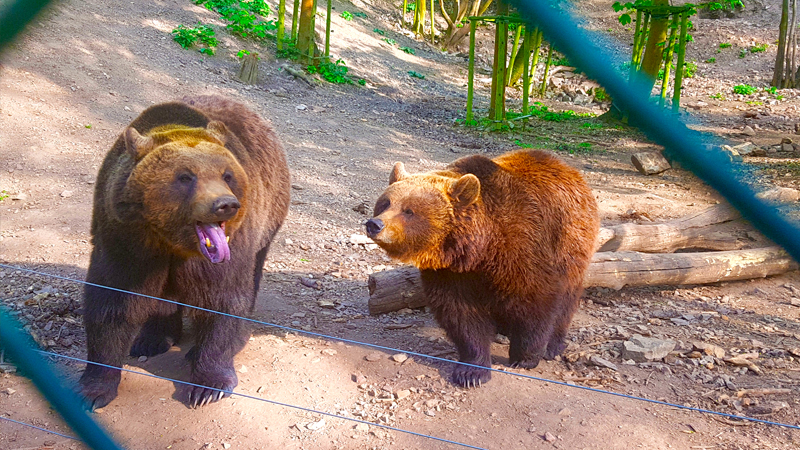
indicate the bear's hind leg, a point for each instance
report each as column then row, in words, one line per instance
column 529, row 333
column 158, row 334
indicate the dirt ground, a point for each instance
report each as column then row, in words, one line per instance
column 84, row 70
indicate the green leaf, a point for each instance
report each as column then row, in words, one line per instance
column 625, row 19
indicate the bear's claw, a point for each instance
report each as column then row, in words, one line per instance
column 470, row 377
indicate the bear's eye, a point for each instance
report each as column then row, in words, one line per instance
column 185, row 178
column 227, row 177
column 408, row 212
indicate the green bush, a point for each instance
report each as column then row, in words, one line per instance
column 744, row 89
column 334, row 72
column 188, row 37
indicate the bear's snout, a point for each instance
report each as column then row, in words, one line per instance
column 374, row 226
column 225, row 207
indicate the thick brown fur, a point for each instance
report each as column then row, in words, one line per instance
column 168, row 171
column 502, row 246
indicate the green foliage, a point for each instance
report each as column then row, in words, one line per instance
column 416, row 75
column 562, row 61
column 332, row 72
column 408, row 50
column 379, row 31
column 744, row 89
column 725, row 45
column 717, row 96
column 346, row 15
column 771, row 90
column 243, row 16
column 242, row 53
column 601, row 95
column 711, row 60
column 592, row 126
column 188, row 37
column 779, row 97
column 88, row 126
column 410, row 7
column 3, row 195
column 521, row 144
column 742, row 53
column 542, row 112
column 754, row 103
column 389, row 41
column 289, row 51
column 360, row 14
column 362, row 82
column 759, row 48
column 689, row 69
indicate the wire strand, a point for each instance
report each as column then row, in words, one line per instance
column 40, row 428
column 435, row 358
column 274, row 402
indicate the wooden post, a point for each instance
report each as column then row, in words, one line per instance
column 471, row 69
column 676, row 91
column 668, row 53
column 497, row 108
column 248, row 71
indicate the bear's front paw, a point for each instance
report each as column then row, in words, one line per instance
column 98, row 393
column 150, row 346
column 526, row 363
column 216, row 386
column 470, row 377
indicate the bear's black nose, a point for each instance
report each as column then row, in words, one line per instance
column 225, row 207
column 374, row 226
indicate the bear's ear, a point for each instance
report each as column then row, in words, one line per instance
column 398, row 173
column 138, row 145
column 465, row 191
column 218, row 130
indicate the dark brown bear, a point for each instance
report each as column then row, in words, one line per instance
column 502, row 246
column 187, row 202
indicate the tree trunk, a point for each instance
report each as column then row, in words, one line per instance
column 654, row 49
column 306, row 45
column 777, row 74
column 394, row 289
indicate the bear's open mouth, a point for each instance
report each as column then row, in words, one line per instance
column 213, row 242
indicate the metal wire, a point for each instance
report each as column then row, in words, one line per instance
column 274, row 402
column 422, row 355
column 39, row 428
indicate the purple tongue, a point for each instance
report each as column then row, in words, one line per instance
column 213, row 242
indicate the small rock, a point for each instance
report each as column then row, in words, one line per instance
column 362, row 208
column 328, row 351
column 19, row 197
column 260, row 389
column 598, row 361
column 315, row 426
column 745, row 149
column 794, row 301
column 362, row 427
column 650, row 163
column 310, row 282
column 748, row 131
column 360, row 239
column 301, row 107
column 66, row 194
column 430, row 413
column 327, row 304
column 226, row 445
column 643, row 349
column 359, row 378
column 401, row 394
column 710, row 349
column 400, row 357
column 374, row 356
column 767, row 408
column 549, row 437
column 288, row 241
column 10, row 391
column 565, row 412
column 779, row 195
column 142, row 358
column 501, row 339
column 243, row 369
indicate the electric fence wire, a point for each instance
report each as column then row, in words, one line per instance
column 39, row 428
column 396, row 350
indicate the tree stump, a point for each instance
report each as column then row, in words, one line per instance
column 248, row 72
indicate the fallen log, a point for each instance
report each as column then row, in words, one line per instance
column 402, row 288
column 691, row 231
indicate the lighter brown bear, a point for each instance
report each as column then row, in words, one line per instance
column 502, row 246
column 186, row 204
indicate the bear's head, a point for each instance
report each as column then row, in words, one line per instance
column 416, row 213
column 187, row 189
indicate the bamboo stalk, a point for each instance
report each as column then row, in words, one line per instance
column 471, row 69
column 313, row 26
column 281, row 23
column 637, row 34
column 668, row 58
column 642, row 40
column 543, row 86
column 537, row 45
column 328, row 31
column 433, row 28
column 498, row 107
column 676, row 90
column 295, row 20
column 526, row 52
column 403, row 14
column 514, row 52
